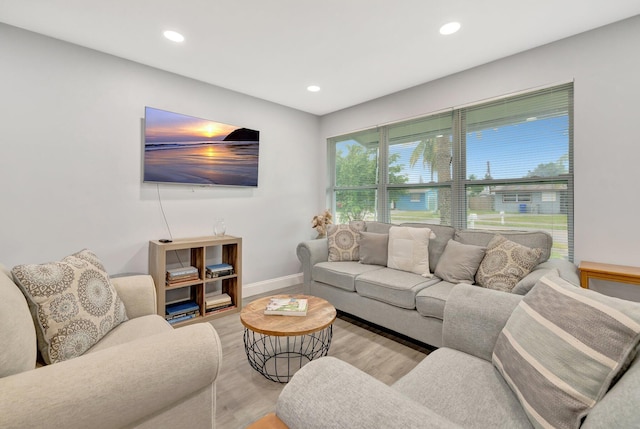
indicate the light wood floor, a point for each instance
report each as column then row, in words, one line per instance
column 244, row 396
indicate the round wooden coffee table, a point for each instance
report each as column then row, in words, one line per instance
column 278, row 346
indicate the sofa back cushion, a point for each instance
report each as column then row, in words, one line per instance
column 378, row 227
column 532, row 239
column 17, row 333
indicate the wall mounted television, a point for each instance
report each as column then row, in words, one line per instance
column 186, row 150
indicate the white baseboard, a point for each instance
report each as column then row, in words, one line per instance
column 272, row 284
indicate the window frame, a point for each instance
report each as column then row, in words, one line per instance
column 459, row 185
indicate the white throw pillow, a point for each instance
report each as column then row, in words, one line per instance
column 409, row 249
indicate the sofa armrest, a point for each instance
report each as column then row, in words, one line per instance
column 310, row 253
column 330, row 393
column 567, row 270
column 138, row 293
column 115, row 387
column 474, row 317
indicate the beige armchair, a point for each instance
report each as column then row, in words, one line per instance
column 143, row 373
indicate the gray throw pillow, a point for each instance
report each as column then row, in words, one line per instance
column 563, row 347
column 374, row 248
column 459, row 262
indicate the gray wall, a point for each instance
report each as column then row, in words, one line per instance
column 70, row 162
column 606, row 70
column 70, row 141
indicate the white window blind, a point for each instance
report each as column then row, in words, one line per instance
column 505, row 164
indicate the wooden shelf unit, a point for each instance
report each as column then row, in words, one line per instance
column 201, row 251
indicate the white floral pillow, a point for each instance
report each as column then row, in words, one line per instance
column 505, row 263
column 344, row 241
column 73, row 304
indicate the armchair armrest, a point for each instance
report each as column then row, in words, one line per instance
column 310, row 253
column 330, row 393
column 474, row 317
column 115, row 387
column 138, row 293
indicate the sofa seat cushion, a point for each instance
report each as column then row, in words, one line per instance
column 393, row 287
column 430, row 301
column 341, row 274
column 464, row 389
column 131, row 330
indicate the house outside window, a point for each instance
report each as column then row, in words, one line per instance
column 507, row 162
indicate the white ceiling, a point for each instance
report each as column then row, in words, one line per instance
column 355, row 50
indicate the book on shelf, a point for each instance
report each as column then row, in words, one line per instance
column 181, row 271
column 286, row 307
column 182, row 274
column 181, row 307
column 192, row 313
column 218, row 270
column 219, row 307
column 181, row 318
column 217, row 299
column 182, row 280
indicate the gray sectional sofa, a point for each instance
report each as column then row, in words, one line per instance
column 402, row 301
column 456, row 386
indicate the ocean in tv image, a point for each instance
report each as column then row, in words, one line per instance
column 188, row 150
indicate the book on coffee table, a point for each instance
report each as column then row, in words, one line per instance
column 286, row 307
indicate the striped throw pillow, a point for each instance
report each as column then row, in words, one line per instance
column 562, row 348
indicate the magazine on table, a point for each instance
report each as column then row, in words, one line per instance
column 287, row 307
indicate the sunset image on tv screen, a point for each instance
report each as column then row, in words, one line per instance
column 188, row 150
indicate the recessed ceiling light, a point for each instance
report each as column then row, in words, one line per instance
column 449, row 28
column 174, row 36
column 313, row 88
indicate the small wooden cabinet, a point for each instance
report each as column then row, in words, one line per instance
column 197, row 252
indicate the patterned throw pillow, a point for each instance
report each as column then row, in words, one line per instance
column 72, row 302
column 343, row 241
column 505, row 263
column 562, row 348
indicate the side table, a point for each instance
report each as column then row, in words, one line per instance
column 277, row 346
column 608, row 272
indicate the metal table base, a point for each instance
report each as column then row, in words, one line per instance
column 278, row 357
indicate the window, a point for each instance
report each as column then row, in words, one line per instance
column 514, row 198
column 505, row 164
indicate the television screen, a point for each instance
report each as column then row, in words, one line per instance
column 187, row 150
